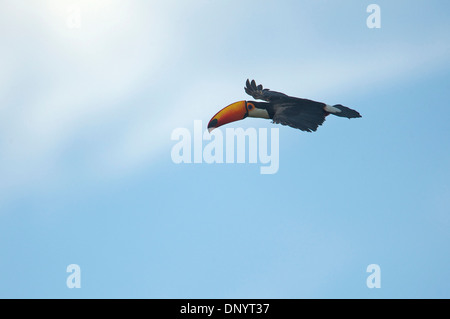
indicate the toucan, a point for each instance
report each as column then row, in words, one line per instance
column 295, row 112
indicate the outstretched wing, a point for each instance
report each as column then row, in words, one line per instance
column 259, row 93
column 295, row 112
column 305, row 115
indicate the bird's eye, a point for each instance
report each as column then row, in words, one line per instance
column 250, row 106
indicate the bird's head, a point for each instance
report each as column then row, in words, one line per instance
column 235, row 112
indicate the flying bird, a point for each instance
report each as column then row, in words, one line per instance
column 295, row 112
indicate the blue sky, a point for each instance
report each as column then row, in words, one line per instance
column 86, row 115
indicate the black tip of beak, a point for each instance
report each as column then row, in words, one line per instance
column 213, row 123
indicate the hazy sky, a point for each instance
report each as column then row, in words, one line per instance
column 90, row 93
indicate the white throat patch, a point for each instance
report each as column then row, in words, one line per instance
column 260, row 113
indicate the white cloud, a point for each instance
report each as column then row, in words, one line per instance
column 63, row 78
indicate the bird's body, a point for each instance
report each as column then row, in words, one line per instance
column 295, row 112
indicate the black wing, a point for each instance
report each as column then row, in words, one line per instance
column 257, row 92
column 306, row 116
column 299, row 113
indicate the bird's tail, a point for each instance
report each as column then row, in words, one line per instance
column 344, row 111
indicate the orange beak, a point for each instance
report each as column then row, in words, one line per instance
column 231, row 113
